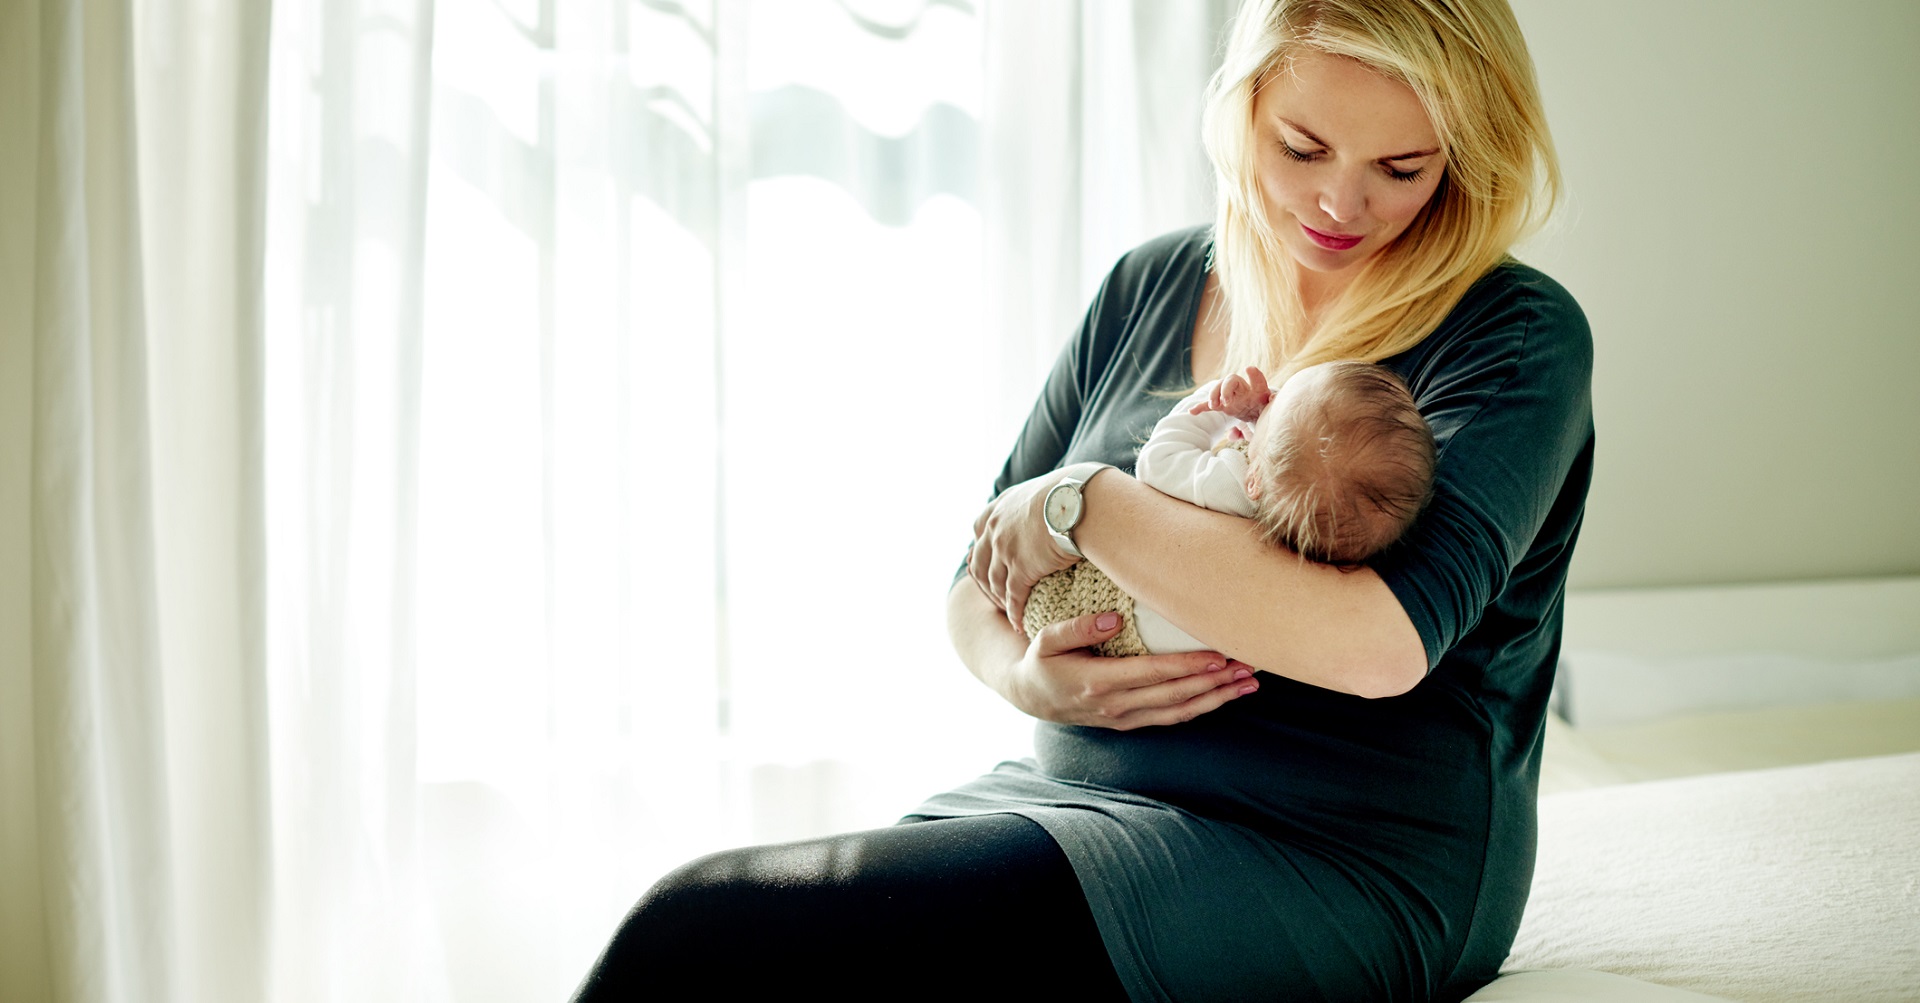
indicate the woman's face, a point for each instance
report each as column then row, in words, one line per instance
column 1347, row 159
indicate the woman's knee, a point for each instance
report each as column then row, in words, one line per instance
column 700, row 894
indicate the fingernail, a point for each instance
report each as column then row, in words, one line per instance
column 1106, row 621
column 1249, row 688
column 1214, row 666
column 1241, row 674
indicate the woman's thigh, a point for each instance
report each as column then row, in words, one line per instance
column 986, row 906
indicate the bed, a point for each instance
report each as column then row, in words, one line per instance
column 1730, row 799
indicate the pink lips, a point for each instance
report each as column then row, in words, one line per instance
column 1330, row 241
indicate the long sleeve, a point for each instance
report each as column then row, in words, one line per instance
column 1179, row 459
column 1506, row 386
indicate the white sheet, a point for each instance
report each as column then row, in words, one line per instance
column 1567, row 986
column 1794, row 884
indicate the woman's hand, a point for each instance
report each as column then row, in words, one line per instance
column 1011, row 546
column 1060, row 680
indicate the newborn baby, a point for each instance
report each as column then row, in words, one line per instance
column 1334, row 466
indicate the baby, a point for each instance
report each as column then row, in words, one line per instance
column 1334, row 466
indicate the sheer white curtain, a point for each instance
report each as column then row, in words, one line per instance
column 604, row 338
column 573, row 492
column 134, row 845
column 1093, row 118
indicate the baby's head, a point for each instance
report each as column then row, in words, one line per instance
column 1340, row 462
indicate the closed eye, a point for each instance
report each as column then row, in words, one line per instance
column 1393, row 172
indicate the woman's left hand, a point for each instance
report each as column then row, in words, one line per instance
column 1011, row 546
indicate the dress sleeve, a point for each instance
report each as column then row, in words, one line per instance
column 1506, row 386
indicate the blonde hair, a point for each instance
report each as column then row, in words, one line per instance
column 1347, row 469
column 1467, row 63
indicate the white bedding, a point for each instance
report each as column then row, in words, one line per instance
column 1793, row 884
column 1719, row 832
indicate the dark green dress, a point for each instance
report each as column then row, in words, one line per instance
column 1300, row 843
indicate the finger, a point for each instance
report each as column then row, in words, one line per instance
column 1079, row 632
column 1238, row 396
column 1213, row 673
column 981, row 570
column 1258, row 381
column 1013, row 595
column 997, row 582
column 979, row 554
column 1143, row 672
column 1017, row 605
column 1021, row 591
column 1209, row 700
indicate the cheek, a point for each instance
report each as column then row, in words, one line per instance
column 1281, row 186
column 1398, row 206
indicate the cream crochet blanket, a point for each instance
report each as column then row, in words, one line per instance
column 1077, row 591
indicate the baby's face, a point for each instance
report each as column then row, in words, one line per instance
column 1285, row 407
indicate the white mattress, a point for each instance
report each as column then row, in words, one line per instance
column 1738, row 825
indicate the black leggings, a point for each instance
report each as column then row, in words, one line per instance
column 982, row 907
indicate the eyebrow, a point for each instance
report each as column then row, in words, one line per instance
column 1304, row 131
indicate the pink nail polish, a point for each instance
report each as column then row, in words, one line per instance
column 1249, row 688
column 1242, row 674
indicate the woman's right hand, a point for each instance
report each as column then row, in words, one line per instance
column 1060, row 680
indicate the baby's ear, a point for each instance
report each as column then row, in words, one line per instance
column 1253, row 484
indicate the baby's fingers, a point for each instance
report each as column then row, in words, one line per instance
column 1257, row 382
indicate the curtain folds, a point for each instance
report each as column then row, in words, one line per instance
column 346, row 157
column 142, row 776
column 1093, row 124
column 475, row 457
column 99, row 728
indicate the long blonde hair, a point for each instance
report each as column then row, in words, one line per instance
column 1467, row 63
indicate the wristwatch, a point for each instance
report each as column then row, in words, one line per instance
column 1064, row 507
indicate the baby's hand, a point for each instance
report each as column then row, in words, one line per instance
column 1241, row 397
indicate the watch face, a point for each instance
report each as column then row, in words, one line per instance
column 1063, row 508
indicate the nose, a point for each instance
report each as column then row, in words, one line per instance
column 1344, row 199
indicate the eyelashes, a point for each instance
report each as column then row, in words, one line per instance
column 1296, row 154
column 1304, row 158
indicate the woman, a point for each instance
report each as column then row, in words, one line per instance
column 1357, row 823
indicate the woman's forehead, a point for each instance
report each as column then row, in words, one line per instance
column 1346, row 105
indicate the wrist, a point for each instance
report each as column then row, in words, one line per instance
column 1063, row 506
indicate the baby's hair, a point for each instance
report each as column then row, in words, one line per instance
column 1348, row 470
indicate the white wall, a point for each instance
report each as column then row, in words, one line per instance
column 1744, row 234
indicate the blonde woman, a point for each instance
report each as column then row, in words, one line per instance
column 1359, row 824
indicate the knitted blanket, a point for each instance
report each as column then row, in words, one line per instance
column 1077, row 591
